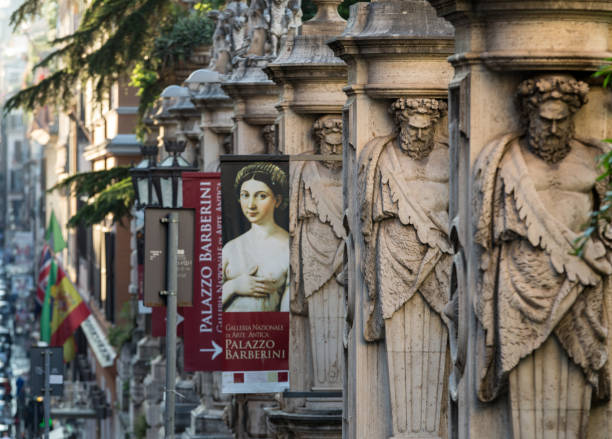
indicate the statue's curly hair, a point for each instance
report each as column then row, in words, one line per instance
column 532, row 92
column 267, row 173
column 402, row 108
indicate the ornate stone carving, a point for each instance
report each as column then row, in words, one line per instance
column 534, row 192
column 270, row 22
column 229, row 35
column 403, row 182
column 268, row 132
column 317, row 251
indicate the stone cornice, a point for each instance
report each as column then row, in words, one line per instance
column 349, row 47
column 240, row 89
column 304, row 107
column 287, row 73
column 458, row 10
column 509, row 61
column 120, row 145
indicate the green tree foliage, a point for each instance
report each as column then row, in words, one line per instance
column 111, row 37
column 174, row 45
column 603, row 215
column 121, row 333
column 108, row 192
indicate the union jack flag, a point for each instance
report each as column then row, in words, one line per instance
column 43, row 273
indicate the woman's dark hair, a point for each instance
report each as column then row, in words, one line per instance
column 267, row 173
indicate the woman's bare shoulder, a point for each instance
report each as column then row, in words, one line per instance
column 281, row 234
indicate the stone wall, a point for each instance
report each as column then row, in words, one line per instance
column 443, row 161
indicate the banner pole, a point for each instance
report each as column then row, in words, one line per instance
column 47, row 400
column 171, row 304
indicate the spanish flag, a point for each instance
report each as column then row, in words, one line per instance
column 68, row 312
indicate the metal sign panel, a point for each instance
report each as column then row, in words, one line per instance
column 37, row 371
column 155, row 264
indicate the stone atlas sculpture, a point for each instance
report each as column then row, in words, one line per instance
column 407, row 258
column 540, row 307
column 318, row 251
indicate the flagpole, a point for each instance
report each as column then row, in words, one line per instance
column 47, row 401
column 171, row 303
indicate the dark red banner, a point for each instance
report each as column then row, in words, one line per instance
column 259, row 340
column 203, row 334
column 158, row 321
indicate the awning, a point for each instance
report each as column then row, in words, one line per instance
column 98, row 342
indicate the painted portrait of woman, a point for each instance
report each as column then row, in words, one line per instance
column 256, row 263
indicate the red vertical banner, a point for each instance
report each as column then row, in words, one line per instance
column 203, row 326
column 158, row 321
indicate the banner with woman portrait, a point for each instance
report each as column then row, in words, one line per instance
column 255, row 264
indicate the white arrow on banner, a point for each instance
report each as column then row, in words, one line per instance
column 216, row 349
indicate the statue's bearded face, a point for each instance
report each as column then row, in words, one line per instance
column 550, row 130
column 416, row 136
column 330, row 143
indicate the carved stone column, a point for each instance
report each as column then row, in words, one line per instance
column 146, row 349
column 396, row 199
column 188, row 117
column 271, row 27
column 167, row 122
column 310, row 122
column 531, row 333
column 271, row 24
column 154, row 385
column 216, row 112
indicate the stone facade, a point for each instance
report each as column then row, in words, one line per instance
column 543, row 370
column 443, row 163
column 310, row 130
column 396, row 199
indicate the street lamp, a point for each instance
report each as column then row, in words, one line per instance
column 160, row 185
column 146, row 195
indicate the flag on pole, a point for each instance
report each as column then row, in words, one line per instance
column 69, row 309
column 63, row 308
column 45, row 316
column 44, row 267
column 53, row 236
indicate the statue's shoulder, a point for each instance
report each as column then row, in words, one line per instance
column 372, row 151
column 490, row 157
column 590, row 142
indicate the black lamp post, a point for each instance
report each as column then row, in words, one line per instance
column 146, row 193
column 168, row 174
column 160, row 185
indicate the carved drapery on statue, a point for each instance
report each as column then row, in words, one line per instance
column 317, row 252
column 543, row 327
column 406, row 243
column 531, row 285
column 403, row 182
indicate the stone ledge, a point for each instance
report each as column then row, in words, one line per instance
column 306, row 424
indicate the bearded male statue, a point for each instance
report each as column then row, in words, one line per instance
column 317, row 251
column 540, row 307
column 404, row 194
